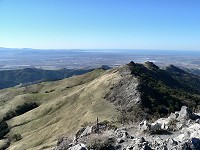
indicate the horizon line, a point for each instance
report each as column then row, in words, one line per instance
column 25, row 48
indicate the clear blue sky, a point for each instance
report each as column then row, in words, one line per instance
column 99, row 24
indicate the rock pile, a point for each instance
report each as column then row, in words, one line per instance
column 180, row 131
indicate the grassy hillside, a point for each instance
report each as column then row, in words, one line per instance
column 128, row 93
column 64, row 106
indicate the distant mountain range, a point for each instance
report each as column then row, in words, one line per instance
column 9, row 78
column 194, row 71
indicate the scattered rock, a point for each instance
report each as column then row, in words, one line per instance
column 155, row 128
column 86, row 131
column 140, row 140
column 144, row 126
column 185, row 136
column 80, row 146
column 63, row 144
column 171, row 143
column 185, row 114
column 192, row 131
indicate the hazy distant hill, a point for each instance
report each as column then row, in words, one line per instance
column 194, row 71
column 125, row 94
column 9, row 78
column 12, row 58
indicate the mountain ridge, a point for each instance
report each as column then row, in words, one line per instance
column 121, row 95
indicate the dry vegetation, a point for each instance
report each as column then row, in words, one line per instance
column 63, row 107
column 125, row 94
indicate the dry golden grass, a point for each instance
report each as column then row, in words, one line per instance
column 65, row 105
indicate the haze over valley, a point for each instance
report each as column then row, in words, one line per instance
column 83, row 59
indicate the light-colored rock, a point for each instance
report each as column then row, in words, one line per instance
column 171, row 143
column 140, row 140
column 144, row 126
column 141, row 144
column 164, row 123
column 63, row 144
column 190, row 132
column 78, row 147
column 155, row 127
column 87, row 131
column 180, row 125
column 185, row 114
column 186, row 136
column 173, row 115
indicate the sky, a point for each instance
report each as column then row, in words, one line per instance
column 100, row 24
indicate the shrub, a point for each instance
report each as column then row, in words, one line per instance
column 85, row 124
column 109, row 124
column 50, row 91
column 16, row 137
column 20, row 109
column 10, row 114
column 172, row 124
column 4, row 129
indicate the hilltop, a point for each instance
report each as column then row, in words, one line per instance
column 157, row 92
column 122, row 95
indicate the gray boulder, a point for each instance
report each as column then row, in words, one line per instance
column 87, row 131
column 185, row 114
column 62, row 144
column 190, row 132
column 155, row 127
column 78, row 147
column 144, row 126
column 171, row 143
column 191, row 144
column 141, row 144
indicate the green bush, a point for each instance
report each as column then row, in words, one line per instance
column 10, row 114
column 172, row 124
column 20, row 109
column 4, row 129
column 16, row 137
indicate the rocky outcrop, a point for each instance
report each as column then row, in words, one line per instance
column 63, row 144
column 125, row 93
column 149, row 136
column 174, row 122
column 80, row 146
